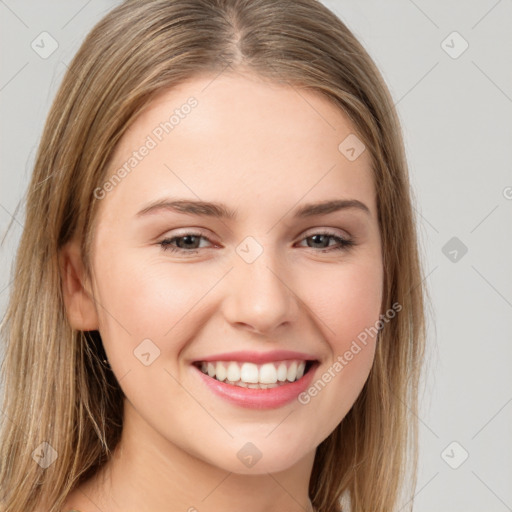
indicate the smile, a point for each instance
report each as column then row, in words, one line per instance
column 255, row 376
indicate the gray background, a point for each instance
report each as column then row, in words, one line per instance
column 456, row 110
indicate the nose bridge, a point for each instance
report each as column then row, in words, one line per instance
column 259, row 296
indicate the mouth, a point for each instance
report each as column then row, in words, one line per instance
column 250, row 375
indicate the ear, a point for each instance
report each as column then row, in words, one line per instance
column 80, row 306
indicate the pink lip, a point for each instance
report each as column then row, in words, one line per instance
column 258, row 398
column 258, row 357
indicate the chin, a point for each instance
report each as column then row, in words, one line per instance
column 261, row 457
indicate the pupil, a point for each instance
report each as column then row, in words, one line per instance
column 317, row 236
column 186, row 239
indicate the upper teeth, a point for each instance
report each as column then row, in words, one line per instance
column 250, row 373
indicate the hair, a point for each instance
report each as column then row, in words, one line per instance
column 56, row 388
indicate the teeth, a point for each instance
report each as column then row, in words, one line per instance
column 282, row 372
column 292, row 372
column 220, row 371
column 233, row 373
column 300, row 369
column 268, row 374
column 250, row 375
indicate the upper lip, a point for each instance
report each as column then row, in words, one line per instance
column 258, row 357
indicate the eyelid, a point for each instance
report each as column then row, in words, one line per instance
column 179, row 232
column 327, row 231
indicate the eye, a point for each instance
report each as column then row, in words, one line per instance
column 321, row 241
column 190, row 243
column 186, row 243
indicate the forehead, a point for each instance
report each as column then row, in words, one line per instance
column 237, row 137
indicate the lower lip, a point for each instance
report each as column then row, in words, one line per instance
column 259, row 398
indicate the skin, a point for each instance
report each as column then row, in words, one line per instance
column 264, row 150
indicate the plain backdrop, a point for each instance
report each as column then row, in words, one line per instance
column 448, row 66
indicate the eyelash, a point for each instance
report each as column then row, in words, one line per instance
column 344, row 244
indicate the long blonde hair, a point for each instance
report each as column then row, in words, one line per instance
column 56, row 388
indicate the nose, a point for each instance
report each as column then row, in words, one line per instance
column 260, row 295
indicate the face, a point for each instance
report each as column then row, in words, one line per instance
column 252, row 296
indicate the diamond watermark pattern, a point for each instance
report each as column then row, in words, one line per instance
column 454, row 249
column 351, row 147
column 454, row 455
column 44, row 45
column 249, row 249
column 249, row 455
column 454, row 45
column 45, row 455
column 146, row 352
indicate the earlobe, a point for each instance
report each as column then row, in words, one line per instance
column 80, row 307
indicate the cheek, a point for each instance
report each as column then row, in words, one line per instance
column 347, row 299
column 144, row 300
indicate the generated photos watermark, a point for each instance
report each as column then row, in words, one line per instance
column 343, row 360
column 151, row 142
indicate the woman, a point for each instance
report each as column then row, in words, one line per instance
column 218, row 299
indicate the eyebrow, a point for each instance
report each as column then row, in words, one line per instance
column 219, row 210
